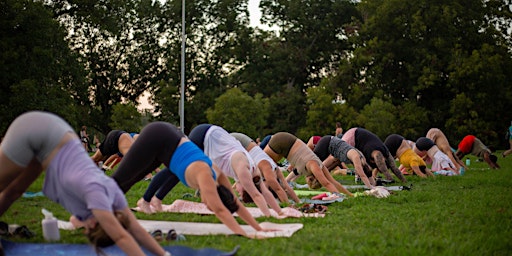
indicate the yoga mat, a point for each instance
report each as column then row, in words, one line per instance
column 349, row 187
column 316, row 201
column 33, row 194
column 197, row 228
column 201, row 228
column 184, row 206
column 52, row 249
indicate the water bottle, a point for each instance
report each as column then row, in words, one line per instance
column 50, row 227
column 468, row 162
column 100, row 164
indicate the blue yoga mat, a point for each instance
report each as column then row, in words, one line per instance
column 52, row 249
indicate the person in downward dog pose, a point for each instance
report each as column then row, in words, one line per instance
column 472, row 145
column 440, row 162
column 438, row 137
column 283, row 144
column 334, row 151
column 374, row 150
column 232, row 159
column 163, row 143
column 41, row 141
column 115, row 145
column 273, row 177
column 401, row 149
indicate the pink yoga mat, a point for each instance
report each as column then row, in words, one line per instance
column 183, row 206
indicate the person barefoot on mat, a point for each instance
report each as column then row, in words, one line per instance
column 284, row 144
column 272, row 175
column 163, row 143
column 232, row 159
column 39, row 141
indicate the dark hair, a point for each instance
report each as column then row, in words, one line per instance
column 493, row 158
column 99, row 238
column 227, row 198
column 246, row 198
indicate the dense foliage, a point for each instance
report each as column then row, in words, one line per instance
column 390, row 66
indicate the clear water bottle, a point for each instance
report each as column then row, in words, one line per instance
column 50, row 225
column 468, row 162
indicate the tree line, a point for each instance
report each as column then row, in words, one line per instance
column 399, row 66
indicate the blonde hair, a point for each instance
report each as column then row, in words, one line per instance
column 313, row 183
column 99, row 238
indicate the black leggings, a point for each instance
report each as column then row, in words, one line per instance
column 161, row 184
column 154, row 146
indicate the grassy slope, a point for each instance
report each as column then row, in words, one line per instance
column 466, row 215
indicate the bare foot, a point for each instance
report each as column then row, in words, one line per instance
column 144, row 206
column 156, row 203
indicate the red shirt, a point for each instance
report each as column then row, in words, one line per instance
column 466, row 144
column 316, row 139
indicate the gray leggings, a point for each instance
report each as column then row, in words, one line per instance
column 33, row 134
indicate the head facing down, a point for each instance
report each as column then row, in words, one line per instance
column 493, row 158
column 246, row 198
column 312, row 182
column 227, row 198
column 99, row 238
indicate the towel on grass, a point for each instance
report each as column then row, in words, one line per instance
column 184, row 206
column 51, row 249
column 201, row 228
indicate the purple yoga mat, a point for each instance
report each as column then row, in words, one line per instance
column 52, row 249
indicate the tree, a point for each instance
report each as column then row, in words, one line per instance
column 126, row 117
column 378, row 117
column 323, row 113
column 236, row 111
column 37, row 69
column 426, row 53
column 119, row 43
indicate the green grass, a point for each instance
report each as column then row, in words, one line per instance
column 463, row 215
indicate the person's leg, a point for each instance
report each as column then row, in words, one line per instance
column 156, row 183
column 154, row 146
column 167, row 187
column 15, row 180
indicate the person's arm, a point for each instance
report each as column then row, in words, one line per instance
column 490, row 162
column 417, row 171
column 355, row 157
column 271, row 180
column 331, row 162
column 271, row 201
column 210, row 196
column 141, row 235
column 391, row 163
column 117, row 233
column 336, row 184
column 97, row 156
column 381, row 163
column 289, row 190
column 243, row 173
column 324, row 177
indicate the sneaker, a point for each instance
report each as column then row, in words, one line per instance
column 144, row 206
column 156, row 204
column 171, row 235
column 157, row 235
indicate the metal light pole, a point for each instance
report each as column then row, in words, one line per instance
column 183, row 38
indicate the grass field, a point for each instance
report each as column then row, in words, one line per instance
column 462, row 215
